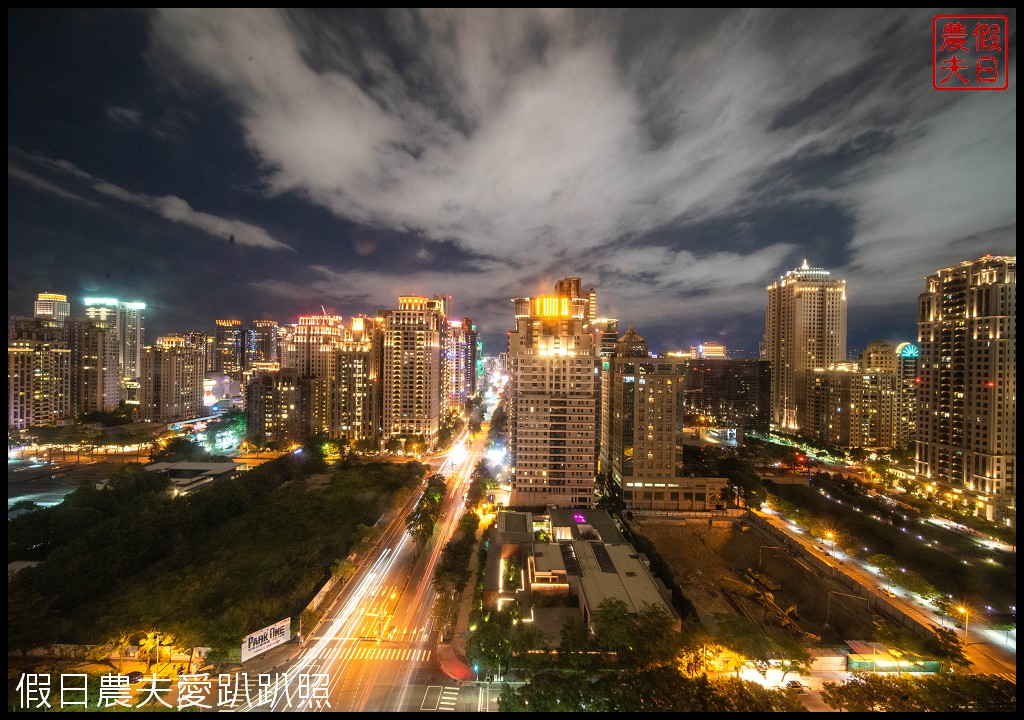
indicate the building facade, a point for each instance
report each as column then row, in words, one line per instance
column 734, row 394
column 229, row 348
column 643, row 404
column 38, row 383
column 413, row 372
column 805, row 329
column 261, row 342
column 128, row 321
column 356, row 387
column 967, row 397
column 53, row 306
column 281, row 407
column 552, row 405
column 171, row 385
column 95, row 383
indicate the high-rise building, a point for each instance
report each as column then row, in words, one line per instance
column 734, row 394
column 280, row 407
column 38, row 383
column 850, row 408
column 37, row 329
column 967, row 397
column 900, row 361
column 95, row 375
column 129, row 323
column 133, row 338
column 229, row 355
column 641, row 419
column 208, row 345
column 552, row 402
column 413, row 371
column 805, row 329
column 261, row 342
column 314, row 343
column 460, row 356
column 52, row 305
column 606, row 335
column 171, row 385
column 356, row 384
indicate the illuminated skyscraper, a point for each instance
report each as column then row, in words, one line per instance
column 208, row 344
column 552, row 402
column 641, row 416
column 313, row 344
column 229, row 354
column 95, row 385
column 356, row 385
column 460, row 355
column 413, row 371
column 38, row 383
column 129, row 322
column 261, row 342
column 280, row 407
column 967, row 397
column 805, row 329
column 52, row 305
column 900, row 361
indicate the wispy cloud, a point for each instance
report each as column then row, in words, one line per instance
column 169, row 207
column 123, row 115
column 45, row 186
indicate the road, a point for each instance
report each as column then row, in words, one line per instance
column 988, row 650
column 375, row 647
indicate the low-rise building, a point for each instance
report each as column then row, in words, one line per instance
column 577, row 555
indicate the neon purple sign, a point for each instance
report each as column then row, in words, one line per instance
column 579, row 518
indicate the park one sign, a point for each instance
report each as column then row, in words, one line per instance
column 269, row 637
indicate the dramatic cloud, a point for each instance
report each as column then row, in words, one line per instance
column 678, row 161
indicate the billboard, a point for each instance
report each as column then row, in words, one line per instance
column 269, row 637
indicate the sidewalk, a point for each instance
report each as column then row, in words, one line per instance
column 451, row 656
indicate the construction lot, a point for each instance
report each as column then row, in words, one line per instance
column 731, row 567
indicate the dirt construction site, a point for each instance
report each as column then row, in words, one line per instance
column 730, row 566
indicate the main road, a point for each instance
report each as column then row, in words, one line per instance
column 989, row 650
column 375, row 649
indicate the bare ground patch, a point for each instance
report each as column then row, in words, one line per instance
column 709, row 563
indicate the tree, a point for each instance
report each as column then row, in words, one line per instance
column 420, row 526
column 941, row 692
column 574, row 649
column 488, row 646
column 178, row 449
column 746, row 640
column 613, row 627
column 610, row 494
column 444, row 610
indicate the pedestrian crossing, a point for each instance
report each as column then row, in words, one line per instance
column 449, row 696
column 375, row 652
column 1012, row 677
column 440, row 698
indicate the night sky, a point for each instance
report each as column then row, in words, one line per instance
column 262, row 164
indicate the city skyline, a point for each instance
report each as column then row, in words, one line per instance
column 260, row 164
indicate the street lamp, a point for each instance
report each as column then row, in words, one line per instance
column 967, row 621
column 831, row 537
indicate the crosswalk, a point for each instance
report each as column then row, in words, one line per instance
column 449, row 696
column 376, row 652
column 1012, row 677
